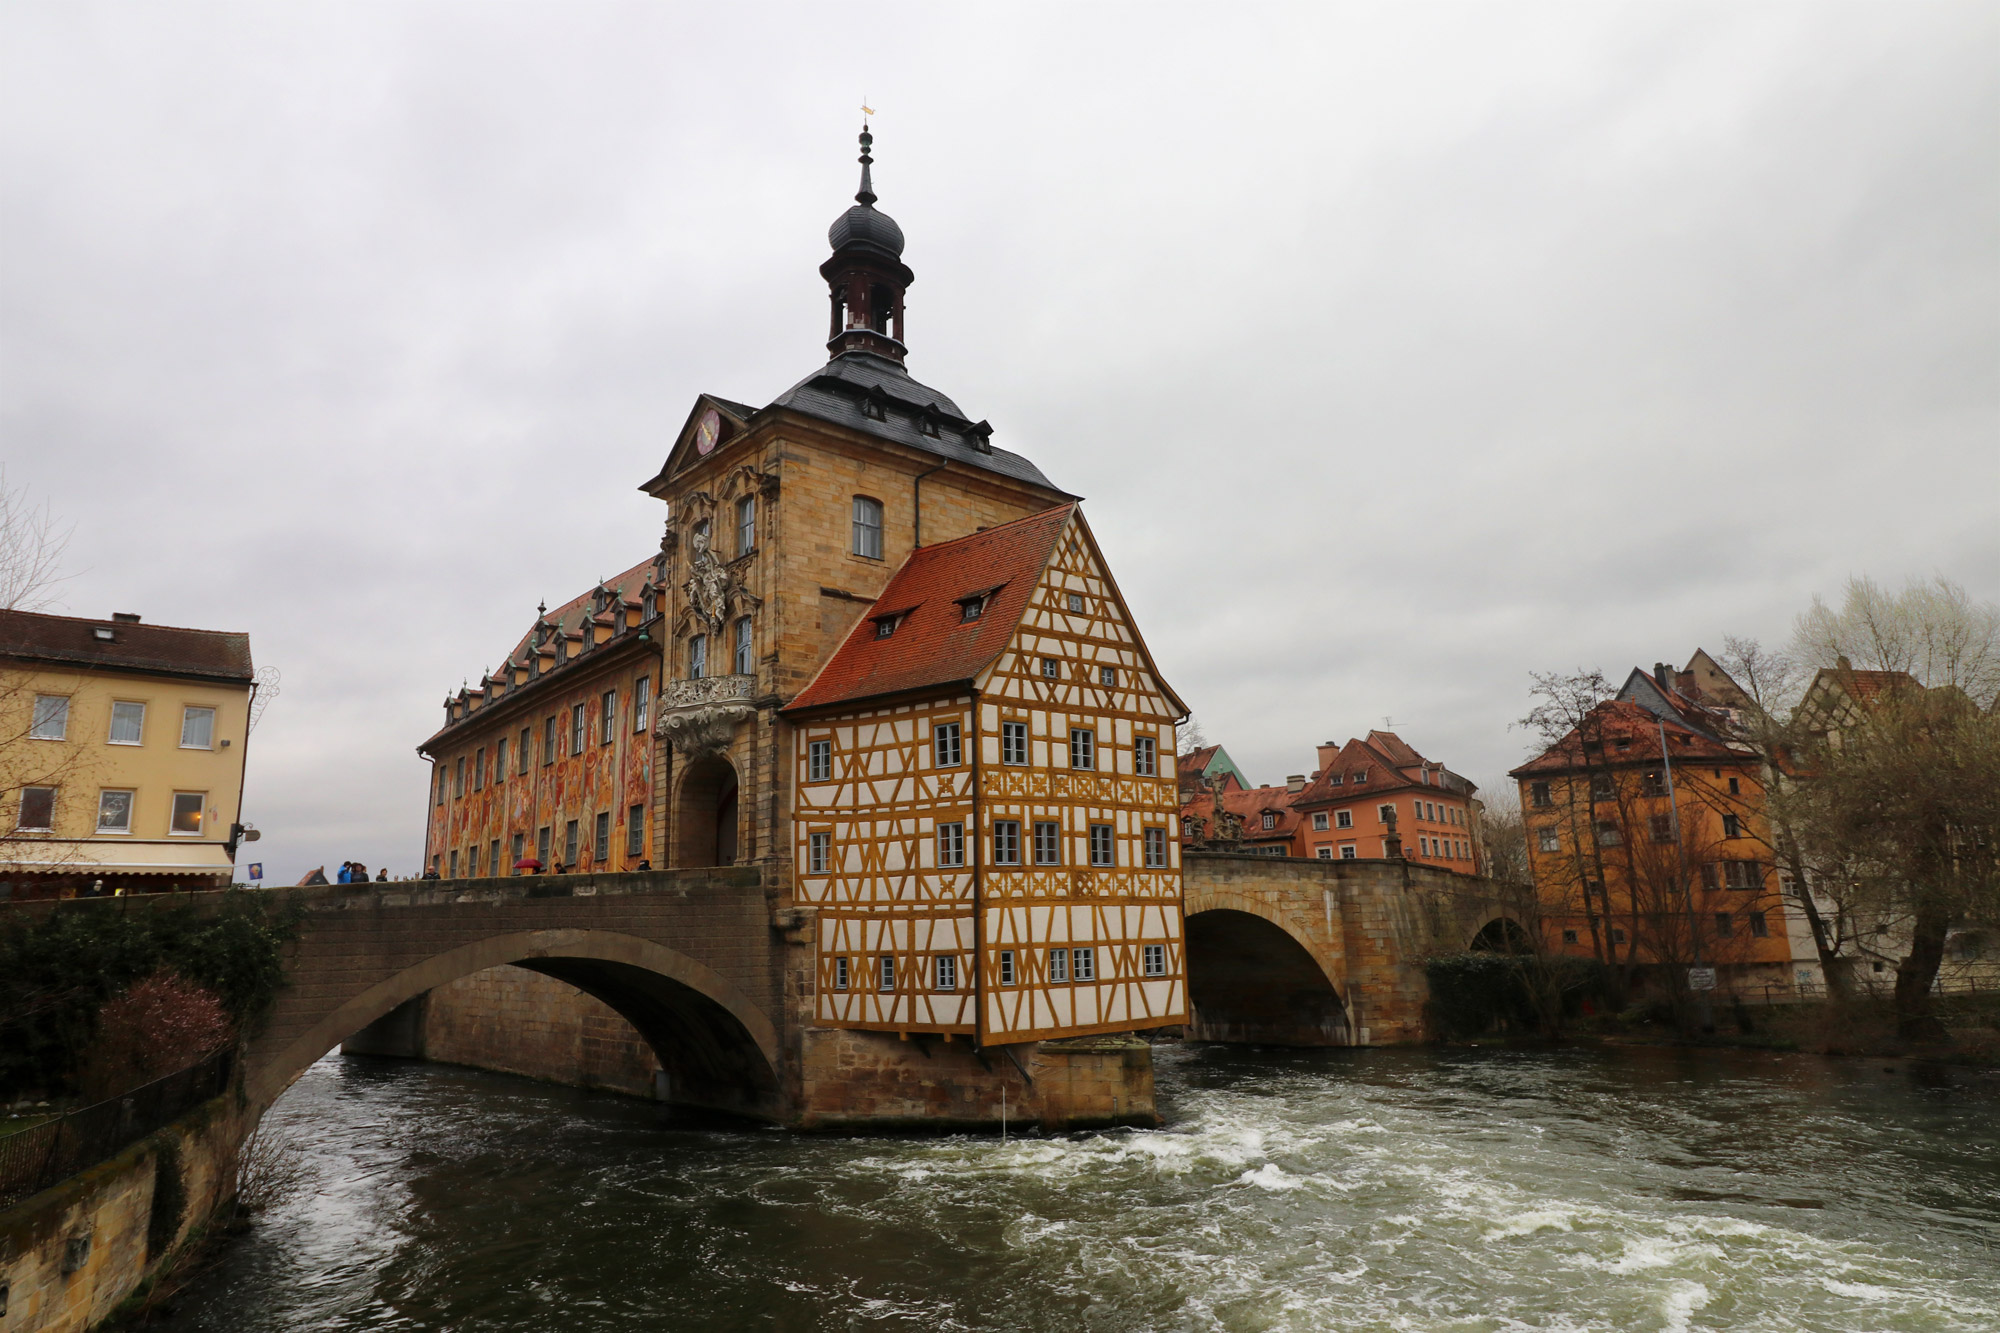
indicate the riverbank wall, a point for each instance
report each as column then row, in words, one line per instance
column 72, row 1254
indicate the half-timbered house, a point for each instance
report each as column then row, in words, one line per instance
column 985, row 800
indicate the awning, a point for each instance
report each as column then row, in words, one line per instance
column 103, row 856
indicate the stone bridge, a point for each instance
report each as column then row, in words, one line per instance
column 1291, row 952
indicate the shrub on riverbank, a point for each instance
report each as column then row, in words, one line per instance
column 58, row 971
column 1483, row 991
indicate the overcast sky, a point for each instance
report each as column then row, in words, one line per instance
column 1399, row 350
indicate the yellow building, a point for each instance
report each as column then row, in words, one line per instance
column 121, row 754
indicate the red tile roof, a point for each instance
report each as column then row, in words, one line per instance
column 1249, row 805
column 574, row 614
column 1193, row 762
column 133, row 646
column 933, row 644
column 1621, row 719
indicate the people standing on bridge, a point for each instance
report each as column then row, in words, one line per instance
column 346, row 875
column 382, row 875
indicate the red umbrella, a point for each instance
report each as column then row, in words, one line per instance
column 527, row 863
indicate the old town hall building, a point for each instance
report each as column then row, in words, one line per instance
column 880, row 656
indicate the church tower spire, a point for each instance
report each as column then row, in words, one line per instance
column 866, row 276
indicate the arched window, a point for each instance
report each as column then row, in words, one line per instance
column 867, row 527
column 697, row 657
column 880, row 299
column 742, row 663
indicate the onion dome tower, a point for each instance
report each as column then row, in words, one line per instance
column 866, row 276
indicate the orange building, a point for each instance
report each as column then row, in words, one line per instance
column 1377, row 798
column 1648, row 840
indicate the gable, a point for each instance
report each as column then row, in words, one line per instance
column 733, row 420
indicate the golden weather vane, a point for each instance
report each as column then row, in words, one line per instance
column 866, row 110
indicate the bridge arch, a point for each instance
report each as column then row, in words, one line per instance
column 1502, row 934
column 719, row 1048
column 1261, row 974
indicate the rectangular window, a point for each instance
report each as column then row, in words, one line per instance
column 1742, row 875
column 1082, row 747
column 519, row 849
column 458, row 777
column 885, row 974
column 608, row 717
column 1735, row 787
column 951, row 844
column 1075, row 602
column 1156, row 848
column 1006, row 842
column 454, row 865
column 51, row 720
column 38, row 809
column 1569, row 937
column 479, row 771
column 187, row 813
column 1146, row 756
column 1107, row 675
column 542, row 846
column 1048, row 843
column 635, row 832
column 1652, row 784
column 1663, row 827
column 1384, row 813
column 443, row 783
column 1347, row 852
column 1059, row 965
column 819, row 761
column 569, row 843
column 197, row 728
column 1724, row 927
column 1343, row 819
column 493, row 857
column 600, row 846
column 1013, row 742
column 576, row 728
column 1319, row 821
column 128, row 724
column 548, row 740
column 1732, row 827
column 472, row 861
column 697, row 656
column 819, row 847
column 1608, row 834
column 1600, row 787
column 642, row 702
column 1547, row 840
column 500, row 759
column 1323, row 853
column 746, row 525
column 840, row 973
column 1006, row 967
column 1758, row 926
column 1154, row 960
column 944, row 745
column 1270, row 820
column 741, row 663
column 1083, row 964
column 972, row 608
column 1049, row 668
column 947, row 972
column 114, row 812
column 867, row 527
column 1100, row 845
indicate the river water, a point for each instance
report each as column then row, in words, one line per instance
column 1458, row 1190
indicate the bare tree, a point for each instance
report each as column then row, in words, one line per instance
column 1189, row 737
column 32, row 544
column 1932, row 629
column 1503, row 837
column 1567, row 704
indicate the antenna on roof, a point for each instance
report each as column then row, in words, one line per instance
column 1388, row 723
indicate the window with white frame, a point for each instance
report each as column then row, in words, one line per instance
column 1006, row 842
column 1107, row 675
column 569, row 842
column 951, row 844
column 37, row 813
column 1343, row 819
column 840, row 973
column 187, row 813
column 819, row 846
column 1319, row 821
column 743, row 663
column 1153, row 960
column 945, row 749
column 746, row 525
column 642, row 702
column 576, row 728
column 697, row 656
column 635, row 832
column 867, row 527
column 1082, row 747
column 1347, row 852
column 520, row 850
column 1156, row 848
column 1101, row 845
column 51, row 719
column 1048, row 843
column 1385, row 813
column 542, row 846
column 1083, row 964
column 1270, row 820
column 1006, row 967
column 548, row 740
column 608, row 716
column 600, row 846
column 819, row 761
column 1075, row 603
column 1049, row 668
column 947, row 972
column 472, row 861
column 1323, row 853
column 1058, row 965
column 128, row 723
column 114, row 811
column 1146, row 756
column 885, row 972
column 1013, row 742
column 500, row 759
column 197, row 728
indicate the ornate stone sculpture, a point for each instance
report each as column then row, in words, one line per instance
column 707, row 585
column 699, row 716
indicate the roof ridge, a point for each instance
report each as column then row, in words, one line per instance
column 107, row 620
column 1039, row 514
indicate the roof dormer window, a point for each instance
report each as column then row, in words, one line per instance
column 103, row 632
column 1360, row 776
column 972, row 608
column 875, row 407
column 885, row 627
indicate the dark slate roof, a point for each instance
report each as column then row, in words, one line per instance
column 133, row 646
column 837, row 391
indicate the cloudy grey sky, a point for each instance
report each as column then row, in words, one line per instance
column 1400, row 350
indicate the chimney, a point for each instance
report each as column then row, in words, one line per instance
column 1295, row 783
column 1842, row 662
column 1328, row 752
column 126, row 617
